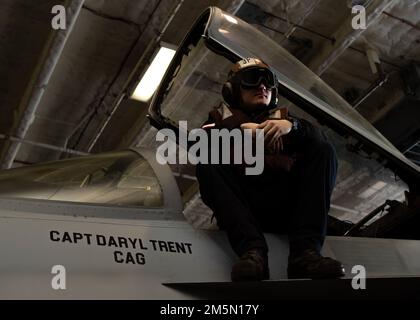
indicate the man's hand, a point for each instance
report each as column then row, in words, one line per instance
column 250, row 125
column 273, row 130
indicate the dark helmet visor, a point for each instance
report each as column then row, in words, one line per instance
column 253, row 77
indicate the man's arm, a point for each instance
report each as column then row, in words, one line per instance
column 297, row 130
column 302, row 131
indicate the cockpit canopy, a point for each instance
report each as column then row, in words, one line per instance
column 122, row 178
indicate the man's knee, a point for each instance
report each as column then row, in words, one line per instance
column 212, row 179
column 204, row 177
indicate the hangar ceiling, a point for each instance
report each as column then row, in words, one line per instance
column 83, row 104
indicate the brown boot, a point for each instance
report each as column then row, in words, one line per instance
column 251, row 266
column 310, row 264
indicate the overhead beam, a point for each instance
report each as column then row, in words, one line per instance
column 346, row 35
column 39, row 82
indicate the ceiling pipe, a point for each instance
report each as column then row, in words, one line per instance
column 40, row 79
column 409, row 23
column 124, row 93
column 375, row 64
column 294, row 26
column 43, row 145
column 380, row 82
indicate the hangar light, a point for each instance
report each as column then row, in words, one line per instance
column 154, row 74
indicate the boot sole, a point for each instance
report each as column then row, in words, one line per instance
column 337, row 275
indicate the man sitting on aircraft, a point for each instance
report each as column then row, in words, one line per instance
column 291, row 196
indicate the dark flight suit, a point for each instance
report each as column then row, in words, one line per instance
column 291, row 196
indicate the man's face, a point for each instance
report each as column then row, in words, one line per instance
column 254, row 99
